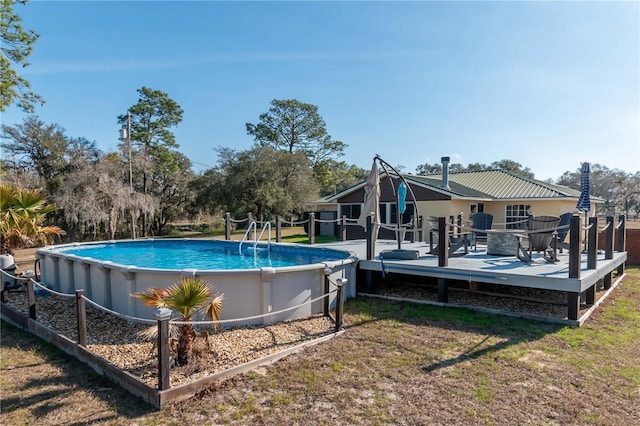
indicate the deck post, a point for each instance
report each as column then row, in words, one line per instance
column 608, row 239
column 592, row 243
column 163, row 315
column 573, row 305
column 574, row 247
column 443, row 293
column 590, row 295
column 622, row 240
column 278, row 229
column 31, row 298
column 82, row 318
column 608, row 250
column 343, row 228
column 312, row 228
column 443, row 242
column 371, row 245
column 227, row 226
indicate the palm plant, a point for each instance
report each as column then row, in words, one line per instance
column 188, row 297
column 22, row 213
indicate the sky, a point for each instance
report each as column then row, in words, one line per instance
column 548, row 84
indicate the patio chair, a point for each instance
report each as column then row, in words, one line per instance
column 455, row 241
column 480, row 222
column 541, row 232
column 563, row 231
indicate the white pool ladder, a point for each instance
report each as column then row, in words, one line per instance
column 252, row 227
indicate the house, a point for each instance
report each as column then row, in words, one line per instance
column 508, row 197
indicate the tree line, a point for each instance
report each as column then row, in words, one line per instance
column 148, row 183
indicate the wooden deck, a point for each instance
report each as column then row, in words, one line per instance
column 479, row 267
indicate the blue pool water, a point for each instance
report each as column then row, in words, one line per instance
column 202, row 254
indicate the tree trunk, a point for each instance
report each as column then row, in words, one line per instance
column 5, row 247
column 185, row 344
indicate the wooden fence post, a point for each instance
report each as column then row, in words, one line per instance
column 592, row 243
column 81, row 312
column 163, row 315
column 343, row 228
column 312, row 228
column 278, row 229
column 340, row 283
column 249, row 219
column 31, row 298
column 327, row 282
column 227, row 226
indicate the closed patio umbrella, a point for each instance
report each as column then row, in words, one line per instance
column 584, row 202
column 371, row 199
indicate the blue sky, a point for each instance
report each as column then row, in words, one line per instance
column 547, row 84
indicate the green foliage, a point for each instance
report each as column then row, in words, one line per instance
column 17, row 44
column 291, row 125
column 151, row 118
column 151, row 148
column 262, row 180
column 506, row 165
column 336, row 176
column 620, row 190
column 45, row 150
column 190, row 296
column 22, row 213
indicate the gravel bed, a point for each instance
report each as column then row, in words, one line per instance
column 523, row 300
column 117, row 340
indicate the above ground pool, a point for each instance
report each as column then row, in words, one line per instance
column 202, row 254
column 256, row 279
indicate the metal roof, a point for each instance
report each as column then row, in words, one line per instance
column 485, row 184
column 499, row 184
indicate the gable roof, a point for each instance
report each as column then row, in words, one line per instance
column 485, row 184
column 500, row 184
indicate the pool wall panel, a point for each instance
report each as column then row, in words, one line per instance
column 247, row 293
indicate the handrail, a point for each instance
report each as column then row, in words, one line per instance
column 252, row 225
column 267, row 225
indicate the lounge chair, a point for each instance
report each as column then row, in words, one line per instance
column 541, row 232
column 480, row 222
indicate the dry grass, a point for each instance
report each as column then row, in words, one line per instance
column 397, row 363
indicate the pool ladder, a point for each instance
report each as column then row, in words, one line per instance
column 252, row 227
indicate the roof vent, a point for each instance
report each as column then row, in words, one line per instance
column 445, row 172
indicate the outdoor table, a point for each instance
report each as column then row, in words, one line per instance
column 502, row 242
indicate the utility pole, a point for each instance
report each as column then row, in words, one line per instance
column 125, row 136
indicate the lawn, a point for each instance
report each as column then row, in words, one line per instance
column 396, row 363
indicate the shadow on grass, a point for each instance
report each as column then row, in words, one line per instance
column 510, row 330
column 70, row 376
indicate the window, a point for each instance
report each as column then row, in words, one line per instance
column 477, row 208
column 351, row 211
column 406, row 216
column 517, row 215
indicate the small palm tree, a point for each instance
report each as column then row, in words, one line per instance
column 22, row 213
column 190, row 296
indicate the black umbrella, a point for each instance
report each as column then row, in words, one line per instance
column 584, row 202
